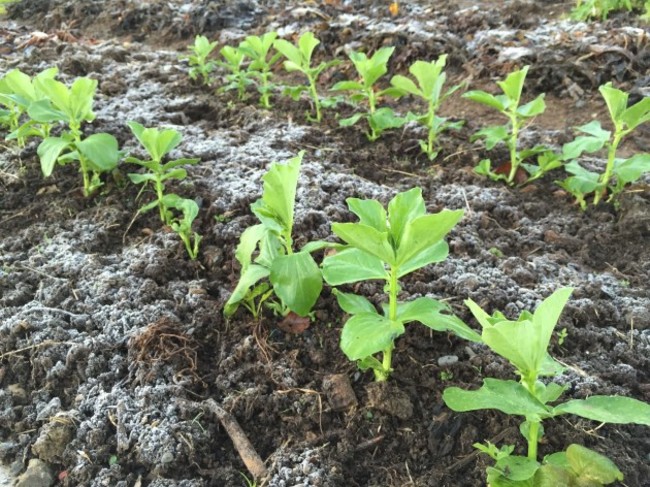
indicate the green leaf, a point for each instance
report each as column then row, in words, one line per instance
column 348, row 122
column 608, row 409
column 405, row 84
column 385, row 118
column 291, row 52
column 370, row 212
column 436, row 253
column 637, row 114
column 353, row 304
column 42, row 111
column 435, row 315
column 630, row 170
column 248, row 242
column 403, row 209
column 49, row 151
column 516, row 468
column 425, row 231
column 492, row 135
column 247, row 279
column 592, row 466
column 141, row 178
column 551, row 475
column 101, row 150
column 546, row 317
column 485, row 99
column 615, row 99
column 279, row 195
column 368, row 333
column 507, row 396
column 347, row 86
column 430, row 77
column 81, row 97
column 352, row 265
column 366, row 238
column 514, row 84
column 307, row 43
column 297, row 281
column 532, row 108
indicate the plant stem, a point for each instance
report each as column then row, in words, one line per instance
column 430, row 122
column 514, row 164
column 611, row 157
column 160, row 188
column 314, row 95
column 533, row 439
column 76, row 133
column 387, row 359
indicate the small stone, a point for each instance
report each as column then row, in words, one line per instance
column 447, row 360
column 167, row 457
column 18, row 394
column 38, row 474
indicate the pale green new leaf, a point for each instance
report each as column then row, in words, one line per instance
column 297, row 281
column 279, row 196
column 253, row 274
column 514, row 84
column 403, row 209
column 435, row 253
column 247, row 244
column 370, row 212
column 366, row 238
column 532, row 108
column 485, row 99
column 368, row 333
column 423, row 232
column 615, row 99
column 637, row 114
column 352, row 265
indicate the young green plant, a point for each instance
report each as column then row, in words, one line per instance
column 239, row 78
column 623, row 171
column 524, row 343
column 518, row 117
column 258, row 49
column 388, row 245
column 158, row 143
column 430, row 80
column 24, row 91
column 299, row 59
column 600, row 9
column 96, row 154
column 369, row 71
column 266, row 251
column 187, row 210
column 200, row 65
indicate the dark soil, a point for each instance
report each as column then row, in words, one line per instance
column 110, row 338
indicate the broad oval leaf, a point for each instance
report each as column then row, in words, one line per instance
column 629, row 170
column 592, row 466
column 101, row 150
column 402, row 209
column 366, row 238
column 353, row 304
column 280, row 183
column 435, row 315
column 352, row 265
column 608, row 409
column 485, row 99
column 436, row 253
column 507, row 396
column 49, row 151
column 297, row 281
column 368, row 333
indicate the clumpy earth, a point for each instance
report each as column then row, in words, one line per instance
column 112, row 341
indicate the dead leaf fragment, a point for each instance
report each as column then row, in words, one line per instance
column 292, row 323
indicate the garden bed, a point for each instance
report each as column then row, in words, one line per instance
column 112, row 340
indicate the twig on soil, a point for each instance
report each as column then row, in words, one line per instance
column 364, row 445
column 396, row 171
column 242, row 444
column 469, row 208
column 27, row 268
column 46, row 343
